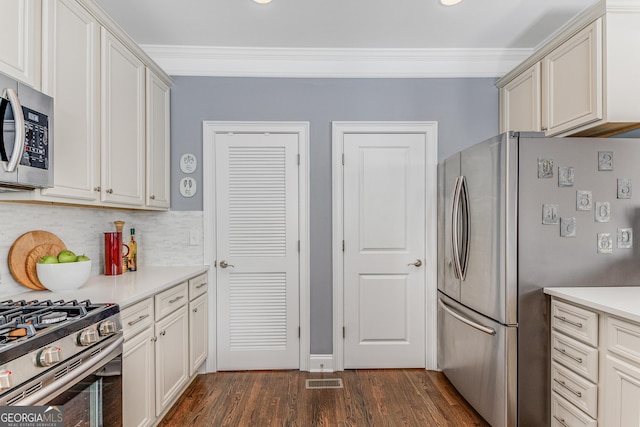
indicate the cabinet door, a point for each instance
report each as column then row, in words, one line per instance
column 172, row 357
column 158, row 140
column 123, row 124
column 72, row 78
column 20, row 33
column 621, row 393
column 197, row 333
column 520, row 102
column 138, row 380
column 572, row 81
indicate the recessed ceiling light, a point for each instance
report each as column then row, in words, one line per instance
column 448, row 2
column 262, row 1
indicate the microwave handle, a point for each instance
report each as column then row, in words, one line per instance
column 18, row 145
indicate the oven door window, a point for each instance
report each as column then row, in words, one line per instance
column 96, row 400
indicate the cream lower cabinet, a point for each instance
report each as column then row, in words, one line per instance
column 20, row 31
column 138, row 381
column 165, row 344
column 622, row 374
column 172, row 357
column 595, row 368
column 138, row 365
column 574, row 365
column 198, row 323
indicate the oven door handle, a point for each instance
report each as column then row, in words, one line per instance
column 55, row 388
column 18, row 117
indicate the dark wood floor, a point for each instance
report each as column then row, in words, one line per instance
column 381, row 397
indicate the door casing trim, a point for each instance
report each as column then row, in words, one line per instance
column 430, row 129
column 209, row 131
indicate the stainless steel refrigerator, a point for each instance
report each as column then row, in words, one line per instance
column 517, row 213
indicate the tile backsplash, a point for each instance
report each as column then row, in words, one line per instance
column 163, row 237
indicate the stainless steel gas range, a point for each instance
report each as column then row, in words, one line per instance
column 63, row 353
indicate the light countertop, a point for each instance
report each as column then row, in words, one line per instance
column 619, row 301
column 124, row 289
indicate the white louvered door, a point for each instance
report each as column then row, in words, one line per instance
column 257, row 236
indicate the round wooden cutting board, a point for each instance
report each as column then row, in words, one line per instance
column 27, row 250
column 34, row 256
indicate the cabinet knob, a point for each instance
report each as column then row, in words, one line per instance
column 163, row 333
column 154, row 339
column 152, row 197
column 110, row 191
column 195, row 310
column 97, row 189
column 544, row 128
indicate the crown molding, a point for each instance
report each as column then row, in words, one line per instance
column 345, row 63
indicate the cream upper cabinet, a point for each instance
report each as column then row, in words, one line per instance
column 72, row 77
column 20, row 30
column 123, row 124
column 158, row 142
column 588, row 82
column 520, row 102
column 572, row 82
column 111, row 126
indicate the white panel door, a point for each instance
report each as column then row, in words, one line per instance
column 257, row 251
column 384, row 249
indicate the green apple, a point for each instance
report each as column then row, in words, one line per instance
column 49, row 259
column 66, row 256
column 82, row 258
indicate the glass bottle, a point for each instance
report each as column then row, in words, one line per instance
column 133, row 252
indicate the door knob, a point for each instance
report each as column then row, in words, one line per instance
column 225, row 264
column 418, row 263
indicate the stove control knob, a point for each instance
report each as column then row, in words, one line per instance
column 108, row 327
column 5, row 380
column 49, row 356
column 87, row 337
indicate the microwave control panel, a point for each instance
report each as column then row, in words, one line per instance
column 36, row 139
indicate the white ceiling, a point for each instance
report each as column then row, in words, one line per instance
column 473, row 24
column 341, row 38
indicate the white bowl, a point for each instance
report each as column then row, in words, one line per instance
column 64, row 276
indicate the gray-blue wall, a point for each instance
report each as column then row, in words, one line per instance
column 466, row 111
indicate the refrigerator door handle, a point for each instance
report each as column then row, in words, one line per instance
column 464, row 254
column 455, row 213
column 481, row 328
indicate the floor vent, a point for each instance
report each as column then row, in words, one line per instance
column 324, row 383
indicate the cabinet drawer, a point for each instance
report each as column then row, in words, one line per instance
column 197, row 286
column 581, row 393
column 578, row 323
column 137, row 317
column 578, row 357
column 564, row 414
column 624, row 338
column 170, row 300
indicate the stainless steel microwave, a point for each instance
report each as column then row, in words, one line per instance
column 26, row 137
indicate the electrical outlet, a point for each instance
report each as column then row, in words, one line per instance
column 194, row 238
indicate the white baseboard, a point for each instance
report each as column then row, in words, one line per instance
column 321, row 363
